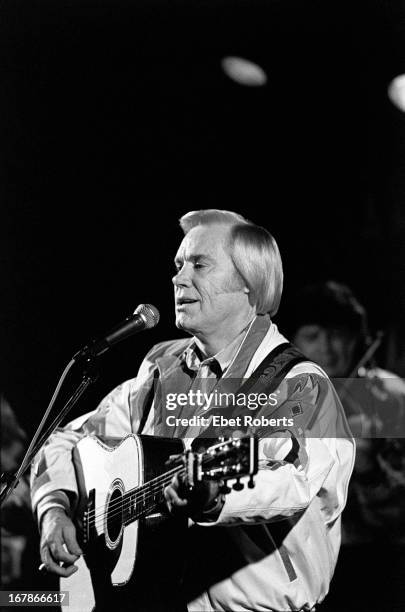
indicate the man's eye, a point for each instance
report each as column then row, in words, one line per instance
column 198, row 265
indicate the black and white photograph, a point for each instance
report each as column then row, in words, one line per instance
column 202, row 381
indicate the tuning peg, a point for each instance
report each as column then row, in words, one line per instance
column 238, row 486
column 225, row 489
column 251, row 483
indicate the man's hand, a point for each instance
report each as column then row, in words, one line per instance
column 175, row 495
column 58, row 543
column 201, row 499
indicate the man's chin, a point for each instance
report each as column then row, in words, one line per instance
column 184, row 324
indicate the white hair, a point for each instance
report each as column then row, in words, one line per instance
column 254, row 253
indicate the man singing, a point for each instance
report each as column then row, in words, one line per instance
column 273, row 547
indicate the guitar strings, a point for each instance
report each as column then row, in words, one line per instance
column 143, row 487
column 131, row 497
column 207, row 460
column 117, row 509
column 150, row 482
column 143, row 493
column 118, row 514
column 138, row 491
column 123, row 504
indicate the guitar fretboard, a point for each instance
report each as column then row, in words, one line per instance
column 141, row 501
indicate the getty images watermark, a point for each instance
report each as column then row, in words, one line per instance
column 205, row 401
column 373, row 407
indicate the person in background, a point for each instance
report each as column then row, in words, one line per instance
column 329, row 325
column 19, row 534
column 18, row 507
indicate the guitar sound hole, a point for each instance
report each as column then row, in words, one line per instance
column 114, row 520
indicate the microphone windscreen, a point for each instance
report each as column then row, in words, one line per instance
column 149, row 314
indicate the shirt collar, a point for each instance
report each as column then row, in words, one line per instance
column 193, row 358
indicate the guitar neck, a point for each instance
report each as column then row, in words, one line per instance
column 224, row 460
column 143, row 500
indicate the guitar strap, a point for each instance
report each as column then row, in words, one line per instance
column 273, row 369
column 266, row 378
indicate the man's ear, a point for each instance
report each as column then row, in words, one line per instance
column 251, row 297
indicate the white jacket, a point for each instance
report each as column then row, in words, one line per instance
column 285, row 531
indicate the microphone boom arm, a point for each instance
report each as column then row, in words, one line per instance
column 145, row 316
column 10, row 481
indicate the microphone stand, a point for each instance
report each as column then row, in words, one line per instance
column 9, row 481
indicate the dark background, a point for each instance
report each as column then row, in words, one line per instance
column 116, row 118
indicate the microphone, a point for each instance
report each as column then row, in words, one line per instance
column 145, row 316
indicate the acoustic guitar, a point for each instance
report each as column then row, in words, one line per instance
column 131, row 543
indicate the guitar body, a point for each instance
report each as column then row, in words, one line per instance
column 128, row 564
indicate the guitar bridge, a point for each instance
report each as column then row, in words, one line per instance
column 86, row 535
column 88, row 513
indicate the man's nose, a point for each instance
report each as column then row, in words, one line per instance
column 182, row 278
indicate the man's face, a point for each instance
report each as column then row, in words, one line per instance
column 209, row 294
column 331, row 348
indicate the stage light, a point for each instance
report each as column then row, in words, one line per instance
column 243, row 71
column 396, row 92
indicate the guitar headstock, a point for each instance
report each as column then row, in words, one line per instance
column 226, row 460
